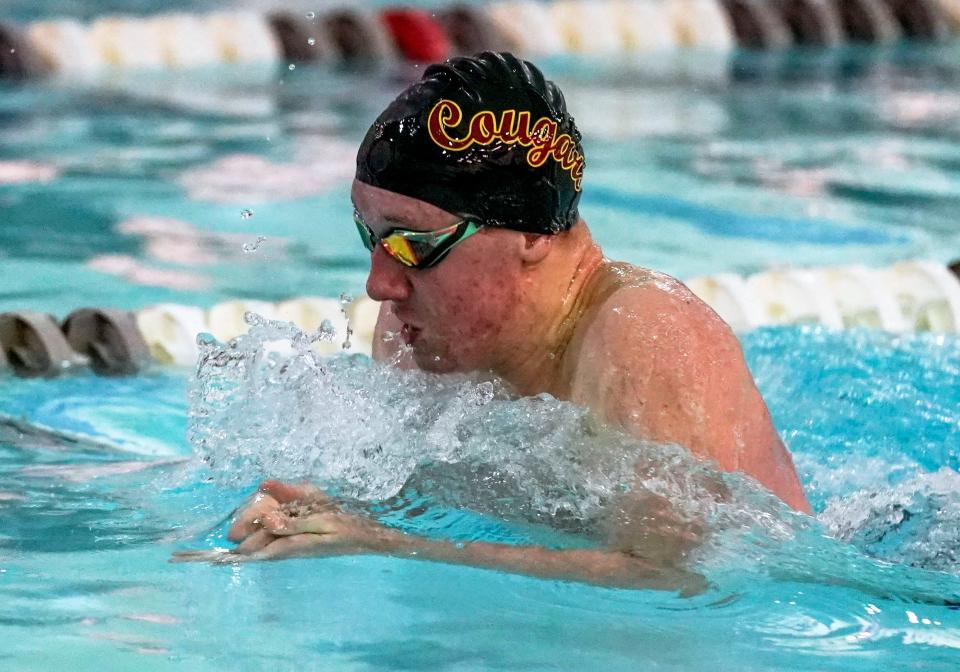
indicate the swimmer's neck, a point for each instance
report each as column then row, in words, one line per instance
column 560, row 294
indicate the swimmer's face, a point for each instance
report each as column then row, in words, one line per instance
column 457, row 314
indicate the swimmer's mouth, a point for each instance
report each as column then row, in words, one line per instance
column 409, row 333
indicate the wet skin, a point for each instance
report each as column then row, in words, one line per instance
column 548, row 314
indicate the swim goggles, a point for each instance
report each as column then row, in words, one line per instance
column 417, row 249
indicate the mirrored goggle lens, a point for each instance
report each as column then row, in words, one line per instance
column 410, row 250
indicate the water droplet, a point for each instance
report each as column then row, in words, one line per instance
column 246, row 214
column 205, row 338
column 311, row 41
column 291, row 67
column 254, row 246
column 311, row 15
column 326, row 332
column 253, row 319
column 345, row 300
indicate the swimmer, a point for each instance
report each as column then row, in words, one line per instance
column 466, row 194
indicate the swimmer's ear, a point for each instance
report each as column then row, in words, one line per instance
column 535, row 247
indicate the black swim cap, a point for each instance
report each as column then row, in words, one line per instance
column 483, row 136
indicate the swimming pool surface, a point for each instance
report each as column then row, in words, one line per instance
column 131, row 191
column 86, row 580
column 697, row 164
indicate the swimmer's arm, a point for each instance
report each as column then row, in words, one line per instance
column 340, row 533
column 599, row 567
column 387, row 344
column 265, row 531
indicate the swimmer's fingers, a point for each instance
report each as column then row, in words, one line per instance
column 254, row 543
column 295, row 546
column 250, row 518
column 321, row 522
column 289, row 492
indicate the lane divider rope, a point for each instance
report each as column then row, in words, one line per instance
column 916, row 295
column 534, row 28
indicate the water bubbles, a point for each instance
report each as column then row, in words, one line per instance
column 346, row 300
column 311, row 41
column 371, row 428
column 253, row 319
column 311, row 15
column 207, row 341
column 326, row 331
column 246, row 213
column 291, row 67
column 254, row 246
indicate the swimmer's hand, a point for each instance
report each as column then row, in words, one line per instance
column 285, row 521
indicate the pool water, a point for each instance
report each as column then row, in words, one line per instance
column 90, row 522
column 696, row 164
column 146, row 187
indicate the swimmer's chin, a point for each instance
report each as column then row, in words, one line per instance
column 432, row 362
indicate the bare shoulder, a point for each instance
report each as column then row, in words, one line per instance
column 657, row 360
column 653, row 312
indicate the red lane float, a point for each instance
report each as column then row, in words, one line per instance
column 417, row 35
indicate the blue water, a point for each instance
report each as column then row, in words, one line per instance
column 85, row 579
column 696, row 164
column 693, row 168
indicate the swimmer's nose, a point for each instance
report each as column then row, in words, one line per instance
column 388, row 279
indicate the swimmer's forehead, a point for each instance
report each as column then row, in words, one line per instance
column 381, row 209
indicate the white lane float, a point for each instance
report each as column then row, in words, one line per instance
column 928, row 293
column 185, row 41
column 242, row 37
column 126, row 42
column 917, row 295
column 862, row 299
column 732, row 299
column 170, row 331
column 644, row 25
column 226, row 320
column 700, row 23
column 530, row 25
column 587, row 27
column 66, row 46
column 794, row 296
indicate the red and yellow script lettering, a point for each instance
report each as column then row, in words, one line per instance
column 513, row 128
